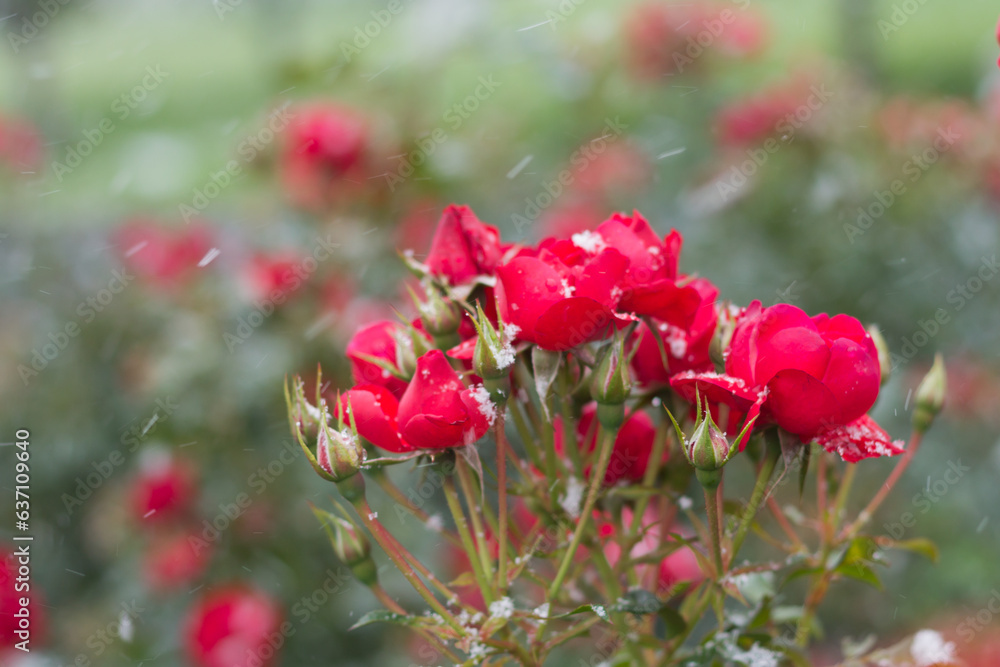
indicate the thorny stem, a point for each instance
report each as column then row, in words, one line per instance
column 713, row 509
column 382, row 596
column 596, row 478
column 822, row 494
column 502, row 504
column 397, row 496
column 458, row 515
column 843, row 492
column 756, row 497
column 472, row 501
column 897, row 472
column 391, row 549
column 782, row 520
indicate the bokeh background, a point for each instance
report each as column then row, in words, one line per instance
column 167, row 167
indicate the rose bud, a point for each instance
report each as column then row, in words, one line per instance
column 463, row 247
column 233, row 627
column 930, row 396
column 438, row 411
column 349, row 544
column 339, row 451
column 441, row 317
column 819, row 372
column 884, row 358
column 494, row 355
column 610, row 385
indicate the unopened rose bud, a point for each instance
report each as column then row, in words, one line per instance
column 339, row 452
column 441, row 317
column 494, row 354
column 303, row 415
column 611, row 384
column 930, row 395
column 884, row 358
column 349, row 544
column 707, row 448
column 411, row 344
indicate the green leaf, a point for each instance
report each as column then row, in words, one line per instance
column 919, row 545
column 600, row 610
column 383, row 616
column 673, row 621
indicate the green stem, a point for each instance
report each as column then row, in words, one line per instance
column 451, row 496
column 840, row 502
column 596, row 479
column 501, row 505
column 756, row 497
column 472, row 502
column 713, row 510
column 894, row 476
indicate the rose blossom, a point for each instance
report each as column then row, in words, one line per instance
column 463, row 247
column 230, row 626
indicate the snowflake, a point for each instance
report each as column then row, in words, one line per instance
column 588, row 241
column 502, row 608
column 486, row 406
column 929, row 648
column 571, row 500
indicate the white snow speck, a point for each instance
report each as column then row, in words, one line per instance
column 588, row 241
column 572, row 499
column 209, row 256
column 486, row 407
column 685, row 503
column 502, row 608
column 929, row 648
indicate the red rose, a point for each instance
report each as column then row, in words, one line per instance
column 562, row 296
column 377, row 340
column 324, row 148
column 231, row 627
column 633, row 443
column 374, row 410
column 463, row 247
column 819, row 372
column 686, row 349
column 861, row 439
column 162, row 256
column 438, row 411
column 271, row 276
column 163, row 490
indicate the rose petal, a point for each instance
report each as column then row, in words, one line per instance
column 861, row 439
column 800, row 403
column 572, row 322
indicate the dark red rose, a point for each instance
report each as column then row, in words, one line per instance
column 165, row 257
column 323, row 151
column 818, row 372
column 561, row 296
column 463, row 247
column 686, row 349
column 861, row 439
column 232, row 627
column 632, row 448
column 438, row 411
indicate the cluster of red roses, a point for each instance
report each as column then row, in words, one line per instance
column 815, row 377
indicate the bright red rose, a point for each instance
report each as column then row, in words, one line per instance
column 463, row 247
column 561, row 296
column 632, row 448
column 163, row 490
column 438, row 411
column 374, row 410
column 232, row 627
column 686, row 349
column 819, row 372
column 378, row 340
column 173, row 560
